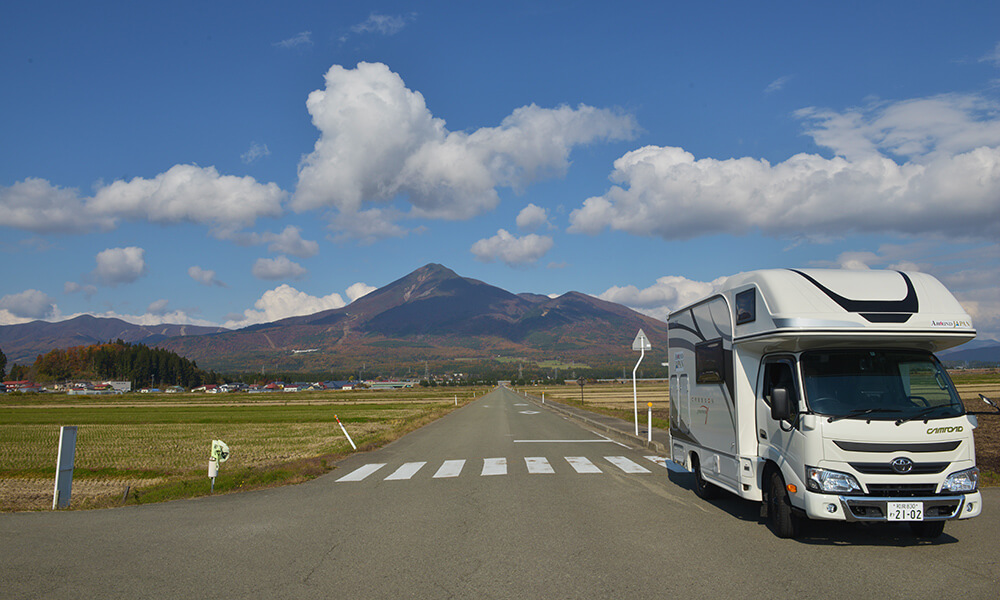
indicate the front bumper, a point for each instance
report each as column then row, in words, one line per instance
column 873, row 508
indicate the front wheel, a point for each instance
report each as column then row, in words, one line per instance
column 927, row 530
column 704, row 489
column 780, row 518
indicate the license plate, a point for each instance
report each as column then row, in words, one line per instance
column 905, row 511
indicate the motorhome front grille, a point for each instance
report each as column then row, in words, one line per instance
column 897, row 446
column 886, row 468
column 902, row 490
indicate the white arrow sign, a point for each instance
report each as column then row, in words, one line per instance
column 641, row 342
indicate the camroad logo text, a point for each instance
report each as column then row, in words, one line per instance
column 933, row 430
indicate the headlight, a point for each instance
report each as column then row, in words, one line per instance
column 831, row 482
column 962, row 481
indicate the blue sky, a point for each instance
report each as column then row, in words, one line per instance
column 228, row 163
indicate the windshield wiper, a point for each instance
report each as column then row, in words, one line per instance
column 922, row 413
column 860, row 412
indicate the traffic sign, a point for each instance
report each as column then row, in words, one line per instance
column 641, row 342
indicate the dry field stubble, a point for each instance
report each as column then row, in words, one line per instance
column 120, row 448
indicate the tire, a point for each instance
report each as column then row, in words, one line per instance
column 780, row 517
column 704, row 489
column 927, row 530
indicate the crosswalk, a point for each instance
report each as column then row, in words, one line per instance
column 533, row 465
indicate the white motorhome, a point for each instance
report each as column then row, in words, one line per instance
column 816, row 392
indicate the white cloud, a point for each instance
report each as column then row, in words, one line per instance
column 187, row 193
column 777, row 84
column 158, row 307
column 367, row 226
column 383, row 24
column 948, row 188
column 379, row 144
column 282, row 302
column 120, row 265
column 290, row 241
column 28, row 305
column 303, row 38
column 255, row 152
column 993, row 56
column 358, row 290
column 204, row 276
column 38, row 206
column 277, row 268
column 72, row 287
column 532, row 217
column 511, row 249
column 667, row 294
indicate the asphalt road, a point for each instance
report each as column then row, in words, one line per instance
column 561, row 516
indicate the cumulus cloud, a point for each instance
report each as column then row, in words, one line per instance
column 191, row 194
column 28, row 305
column 282, row 302
column 204, row 276
column 303, row 38
column 379, row 143
column 511, row 249
column 120, row 265
column 277, row 268
column 948, row 186
column 532, row 217
column 290, row 241
column 37, row 205
column 667, row 294
column 184, row 193
column 358, row 290
column 158, row 307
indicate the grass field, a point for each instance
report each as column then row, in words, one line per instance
column 157, row 446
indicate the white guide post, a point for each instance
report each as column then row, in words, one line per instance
column 641, row 344
column 649, row 427
column 347, row 435
column 64, row 467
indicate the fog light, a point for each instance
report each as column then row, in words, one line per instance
column 970, row 507
column 831, row 508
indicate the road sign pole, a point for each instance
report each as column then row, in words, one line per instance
column 635, row 395
column 640, row 343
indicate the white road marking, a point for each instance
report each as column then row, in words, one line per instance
column 667, row 464
column 582, row 465
column 450, row 468
column 626, row 465
column 406, row 471
column 528, row 412
column 359, row 474
column 562, row 441
column 538, row 465
column 494, row 466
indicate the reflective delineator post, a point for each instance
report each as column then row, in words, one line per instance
column 347, row 435
column 649, row 437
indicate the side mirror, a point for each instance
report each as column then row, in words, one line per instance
column 781, row 405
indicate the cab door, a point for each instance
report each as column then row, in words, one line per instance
column 780, row 441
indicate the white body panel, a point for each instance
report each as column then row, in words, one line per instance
column 722, row 348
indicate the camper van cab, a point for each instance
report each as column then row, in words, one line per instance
column 817, row 393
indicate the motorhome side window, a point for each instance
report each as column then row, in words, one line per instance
column 778, row 374
column 710, row 362
column 746, row 307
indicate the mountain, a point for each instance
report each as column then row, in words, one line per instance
column 22, row 343
column 432, row 314
column 984, row 352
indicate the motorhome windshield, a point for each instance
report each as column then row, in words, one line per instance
column 894, row 385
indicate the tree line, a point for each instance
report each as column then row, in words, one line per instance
column 121, row 361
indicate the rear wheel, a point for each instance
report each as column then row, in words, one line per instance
column 780, row 518
column 704, row 489
column 927, row 530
